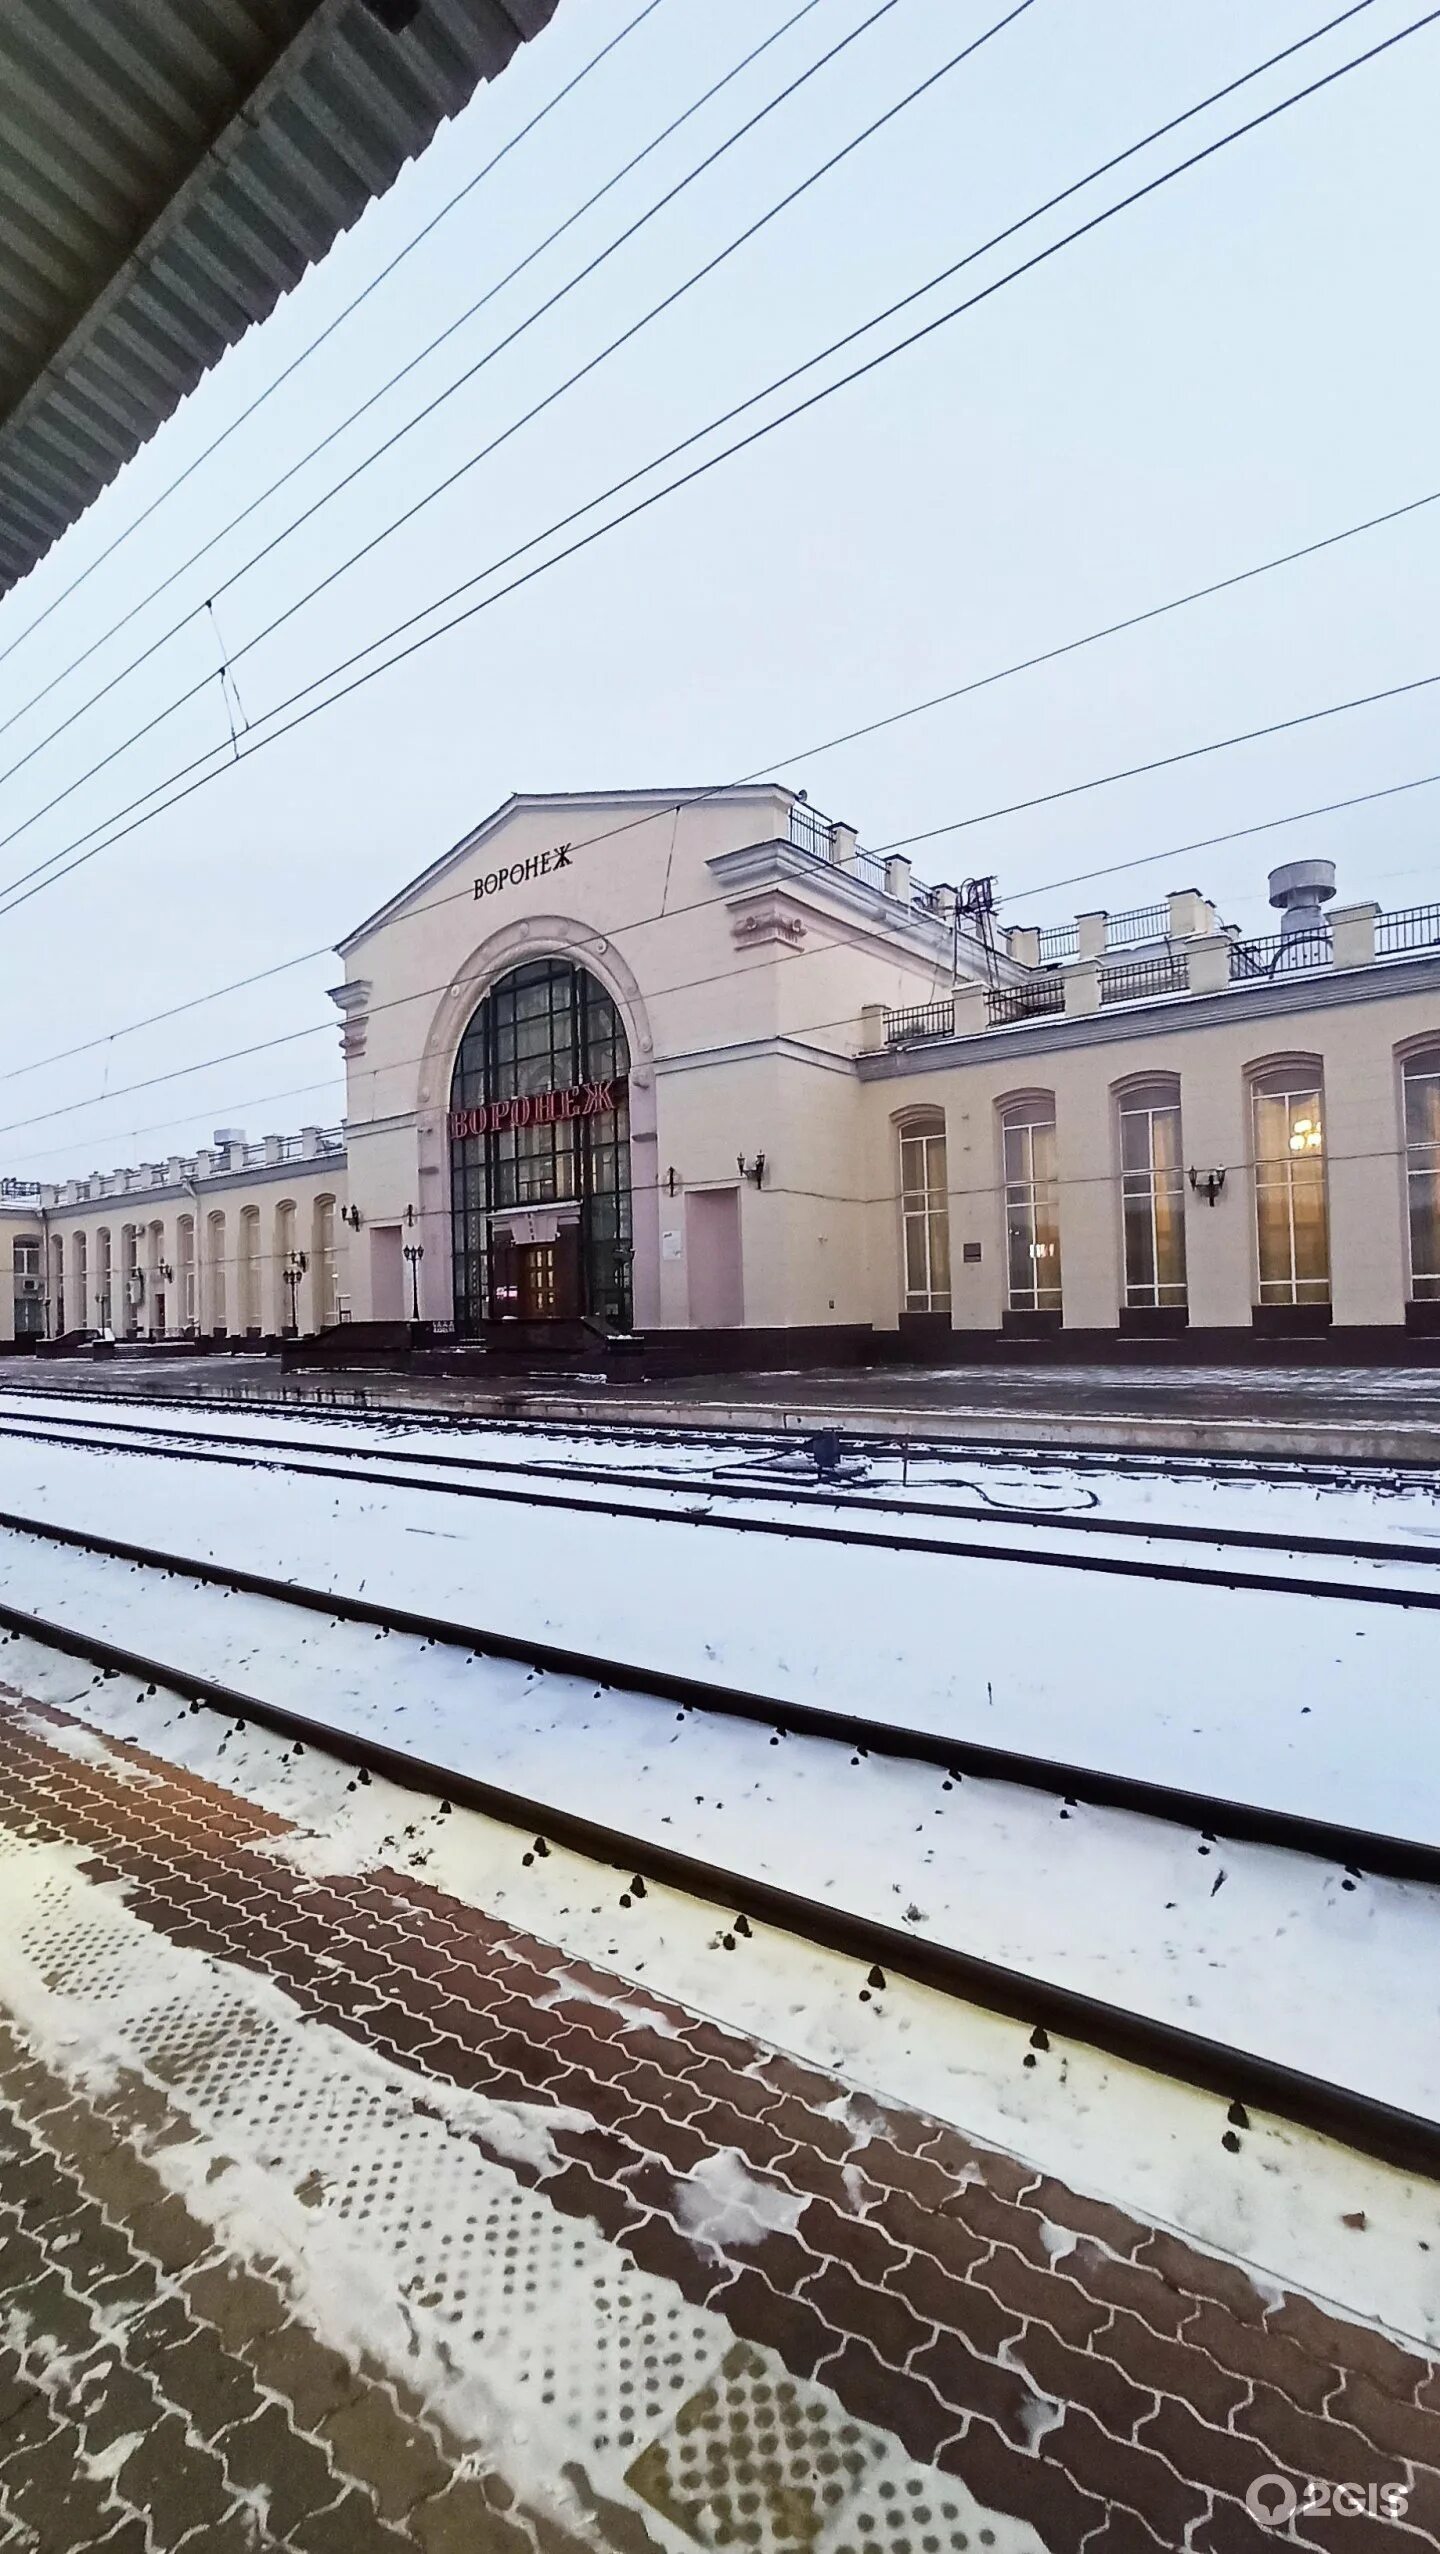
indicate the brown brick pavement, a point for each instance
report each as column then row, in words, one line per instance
column 156, row 2394
column 1120, row 2394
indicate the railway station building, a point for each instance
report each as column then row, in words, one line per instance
column 652, row 1063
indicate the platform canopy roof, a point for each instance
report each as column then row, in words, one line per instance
column 169, row 168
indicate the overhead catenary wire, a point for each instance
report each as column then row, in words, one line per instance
column 613, row 931
column 582, row 372
column 915, row 709
column 1158, row 763
column 78, row 854
column 372, row 398
column 323, row 335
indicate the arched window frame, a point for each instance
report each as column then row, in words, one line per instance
column 925, row 1281
column 251, row 1314
column 1291, row 1196
column 515, row 1045
column 1029, row 1174
column 185, row 1272
column 1150, row 1152
column 1419, row 1071
column 215, row 1269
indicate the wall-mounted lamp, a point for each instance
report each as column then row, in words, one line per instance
column 753, row 1171
column 165, row 1273
column 352, row 1216
column 1207, row 1184
column 672, row 1180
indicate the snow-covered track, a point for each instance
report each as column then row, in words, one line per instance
column 1365, row 1569
column 863, row 1431
column 1055, row 1989
column 1354, row 1849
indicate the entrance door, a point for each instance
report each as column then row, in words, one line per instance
column 546, row 1277
column 535, row 1274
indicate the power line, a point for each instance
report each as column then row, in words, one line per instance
column 328, row 331
column 1210, row 842
column 471, row 311
column 1161, row 763
column 77, row 855
column 473, row 460
column 833, row 744
column 611, row 932
column 500, row 346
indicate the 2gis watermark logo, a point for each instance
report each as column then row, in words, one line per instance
column 1273, row 2500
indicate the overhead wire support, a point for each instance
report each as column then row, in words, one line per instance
column 129, row 818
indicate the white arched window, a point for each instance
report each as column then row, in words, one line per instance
column 925, row 1214
column 326, row 1296
column 215, row 1263
column 185, row 1267
column 104, row 1299
column 1420, row 1075
column 1032, row 1203
column 1292, row 1230
column 250, row 1269
column 1152, row 1193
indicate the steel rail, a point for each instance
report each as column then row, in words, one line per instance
column 279, row 1451
column 1329, row 1470
column 792, row 1529
column 1212, row 1815
column 1241, row 2079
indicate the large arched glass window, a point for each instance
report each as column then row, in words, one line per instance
column 925, row 1214
column 1292, row 1233
column 540, row 1152
column 1032, row 1203
column 1421, row 1078
column 1152, row 1194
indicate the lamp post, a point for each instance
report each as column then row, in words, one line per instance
column 296, row 1263
column 413, row 1253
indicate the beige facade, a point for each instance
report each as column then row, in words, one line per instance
column 187, row 1248
column 695, row 1060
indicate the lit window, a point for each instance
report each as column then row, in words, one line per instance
column 1032, row 1206
column 1422, row 1171
column 925, row 1217
column 1291, row 1221
column 1152, row 1195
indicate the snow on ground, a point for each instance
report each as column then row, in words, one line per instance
column 1347, row 2230
column 1305, row 1704
column 1240, row 1943
column 1370, row 1505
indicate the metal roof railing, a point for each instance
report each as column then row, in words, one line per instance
column 1142, row 922
column 1412, row 927
column 923, row 1021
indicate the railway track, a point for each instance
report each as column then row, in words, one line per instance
column 1364, row 1569
column 508, row 1726
column 1101, row 1459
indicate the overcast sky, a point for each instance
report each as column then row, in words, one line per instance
column 1243, row 363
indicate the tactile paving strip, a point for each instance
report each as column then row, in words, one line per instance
column 530, row 2326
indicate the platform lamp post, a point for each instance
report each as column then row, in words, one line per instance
column 296, row 1263
column 413, row 1253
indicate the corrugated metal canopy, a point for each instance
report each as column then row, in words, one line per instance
column 169, row 168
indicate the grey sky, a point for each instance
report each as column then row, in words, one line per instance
column 1243, row 363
